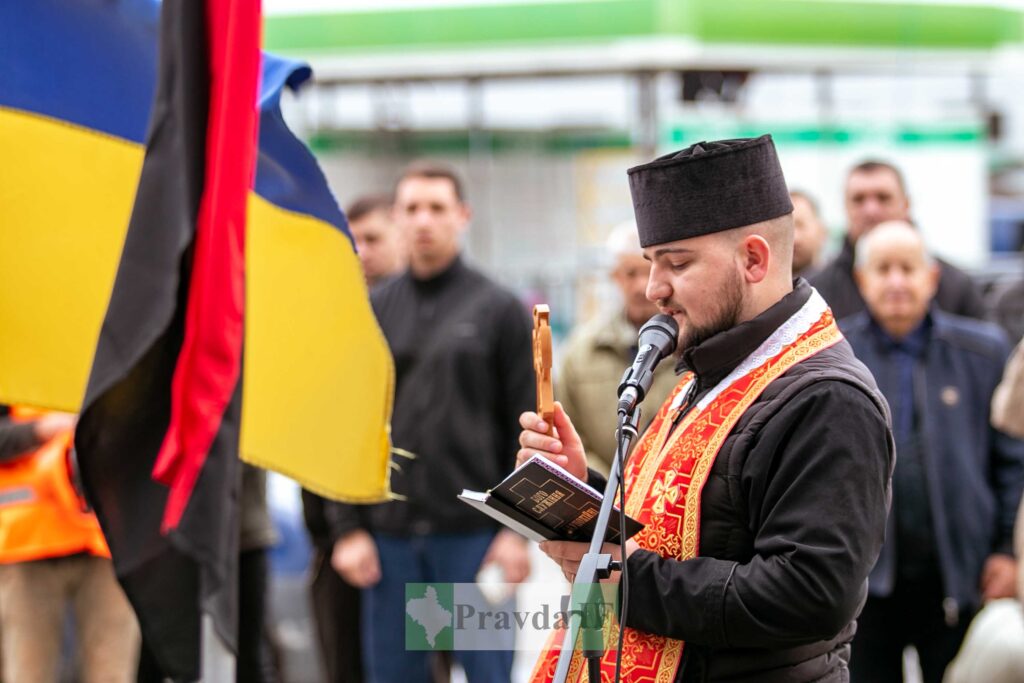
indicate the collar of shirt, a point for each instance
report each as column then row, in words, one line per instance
column 439, row 280
column 716, row 357
column 913, row 345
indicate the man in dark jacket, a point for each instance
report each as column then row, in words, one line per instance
column 764, row 480
column 463, row 373
column 957, row 481
column 875, row 192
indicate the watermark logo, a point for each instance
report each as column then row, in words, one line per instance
column 467, row 616
column 429, row 616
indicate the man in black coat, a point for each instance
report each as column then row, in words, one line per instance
column 463, row 373
column 764, row 481
column 875, row 192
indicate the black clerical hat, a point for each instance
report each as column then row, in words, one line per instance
column 708, row 187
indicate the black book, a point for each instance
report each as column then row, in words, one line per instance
column 543, row 502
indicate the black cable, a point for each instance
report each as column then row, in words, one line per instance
column 624, row 577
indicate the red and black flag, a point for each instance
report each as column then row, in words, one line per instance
column 158, row 436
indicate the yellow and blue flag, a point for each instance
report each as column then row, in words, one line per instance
column 77, row 82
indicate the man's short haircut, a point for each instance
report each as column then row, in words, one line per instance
column 876, row 165
column 433, row 169
column 366, row 204
column 807, row 198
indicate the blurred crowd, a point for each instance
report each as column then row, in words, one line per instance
column 946, row 354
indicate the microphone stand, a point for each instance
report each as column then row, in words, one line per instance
column 587, row 606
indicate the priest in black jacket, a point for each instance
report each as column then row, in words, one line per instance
column 765, row 479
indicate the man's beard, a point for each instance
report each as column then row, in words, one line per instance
column 724, row 317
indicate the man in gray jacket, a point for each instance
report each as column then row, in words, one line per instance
column 597, row 353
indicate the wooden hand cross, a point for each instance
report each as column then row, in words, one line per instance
column 542, row 362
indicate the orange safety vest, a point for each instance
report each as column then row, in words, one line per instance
column 41, row 514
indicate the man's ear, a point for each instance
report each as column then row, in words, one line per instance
column 858, row 279
column 755, row 257
column 465, row 214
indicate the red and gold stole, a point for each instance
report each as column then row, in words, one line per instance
column 666, row 474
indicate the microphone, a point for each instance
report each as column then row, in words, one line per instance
column 658, row 338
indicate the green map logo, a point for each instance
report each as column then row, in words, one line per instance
column 429, row 616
